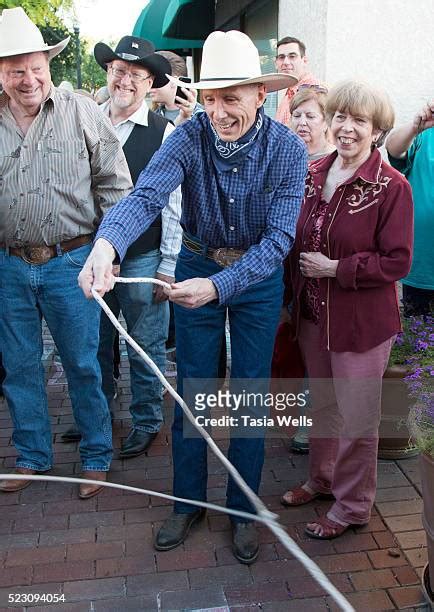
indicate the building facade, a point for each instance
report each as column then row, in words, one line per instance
column 388, row 43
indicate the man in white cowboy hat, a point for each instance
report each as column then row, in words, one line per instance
column 61, row 167
column 132, row 69
column 242, row 177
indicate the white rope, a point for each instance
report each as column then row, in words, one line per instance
column 263, row 514
column 113, row 485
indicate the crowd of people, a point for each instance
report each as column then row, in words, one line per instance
column 218, row 200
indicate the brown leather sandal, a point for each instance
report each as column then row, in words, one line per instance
column 330, row 529
column 300, row 497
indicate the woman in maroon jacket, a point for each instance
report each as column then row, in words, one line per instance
column 353, row 241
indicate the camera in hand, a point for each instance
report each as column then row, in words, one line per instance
column 179, row 91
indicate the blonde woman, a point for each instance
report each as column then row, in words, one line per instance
column 353, row 242
column 308, row 120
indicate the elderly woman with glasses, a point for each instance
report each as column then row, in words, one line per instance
column 353, row 242
column 308, row 120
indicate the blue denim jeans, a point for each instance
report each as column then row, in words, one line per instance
column 253, row 319
column 29, row 293
column 147, row 322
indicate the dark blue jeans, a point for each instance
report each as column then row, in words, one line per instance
column 28, row 293
column 147, row 323
column 253, row 318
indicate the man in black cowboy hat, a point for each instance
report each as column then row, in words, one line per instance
column 132, row 69
column 62, row 167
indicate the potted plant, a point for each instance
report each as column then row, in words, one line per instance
column 420, row 382
column 407, row 357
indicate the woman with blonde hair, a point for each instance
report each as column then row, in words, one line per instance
column 308, row 120
column 353, row 242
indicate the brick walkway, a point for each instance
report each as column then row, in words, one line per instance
column 98, row 552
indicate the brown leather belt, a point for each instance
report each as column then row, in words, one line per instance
column 41, row 254
column 224, row 256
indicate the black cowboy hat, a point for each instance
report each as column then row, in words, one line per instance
column 138, row 51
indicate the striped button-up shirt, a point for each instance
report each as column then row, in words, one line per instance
column 253, row 206
column 58, row 179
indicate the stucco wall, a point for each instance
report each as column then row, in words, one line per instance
column 307, row 20
column 387, row 42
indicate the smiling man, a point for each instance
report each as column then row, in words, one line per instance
column 242, row 177
column 61, row 167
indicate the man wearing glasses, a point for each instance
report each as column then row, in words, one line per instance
column 132, row 69
column 291, row 59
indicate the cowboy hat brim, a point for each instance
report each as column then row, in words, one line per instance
column 273, row 82
column 52, row 50
column 156, row 64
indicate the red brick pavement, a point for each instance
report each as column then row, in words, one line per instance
column 97, row 554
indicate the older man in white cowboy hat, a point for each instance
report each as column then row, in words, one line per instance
column 242, row 177
column 61, row 167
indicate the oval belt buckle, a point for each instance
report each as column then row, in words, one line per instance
column 36, row 255
column 220, row 257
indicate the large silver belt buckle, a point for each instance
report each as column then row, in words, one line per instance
column 225, row 256
column 36, row 255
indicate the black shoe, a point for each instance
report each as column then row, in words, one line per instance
column 71, row 435
column 302, row 448
column 137, row 443
column 245, row 543
column 175, row 529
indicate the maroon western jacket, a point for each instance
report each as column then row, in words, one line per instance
column 369, row 229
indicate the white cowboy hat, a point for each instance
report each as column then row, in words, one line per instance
column 230, row 59
column 19, row 35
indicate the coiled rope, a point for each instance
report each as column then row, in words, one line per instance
column 264, row 516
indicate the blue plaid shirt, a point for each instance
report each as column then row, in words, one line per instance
column 253, row 206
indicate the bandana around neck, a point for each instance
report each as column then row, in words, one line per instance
column 226, row 155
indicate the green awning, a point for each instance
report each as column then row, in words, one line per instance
column 150, row 25
column 193, row 19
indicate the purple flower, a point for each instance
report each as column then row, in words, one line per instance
column 415, row 375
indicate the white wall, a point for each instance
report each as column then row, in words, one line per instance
column 307, row 21
column 389, row 43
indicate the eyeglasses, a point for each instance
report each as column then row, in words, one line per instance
column 290, row 56
column 318, row 88
column 135, row 77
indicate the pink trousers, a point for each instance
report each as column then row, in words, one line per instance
column 345, row 410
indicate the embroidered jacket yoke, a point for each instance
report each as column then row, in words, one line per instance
column 369, row 228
